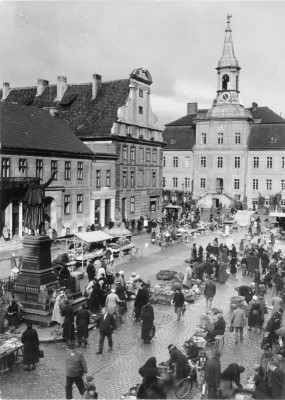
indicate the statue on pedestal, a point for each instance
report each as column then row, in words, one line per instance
column 34, row 215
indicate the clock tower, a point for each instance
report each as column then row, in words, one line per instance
column 227, row 102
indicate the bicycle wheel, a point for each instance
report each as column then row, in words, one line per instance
column 183, row 388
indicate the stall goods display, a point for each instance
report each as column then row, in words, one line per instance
column 161, row 295
column 165, row 275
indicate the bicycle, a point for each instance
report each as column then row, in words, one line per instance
column 183, row 387
column 136, row 251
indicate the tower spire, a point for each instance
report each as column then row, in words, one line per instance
column 228, row 58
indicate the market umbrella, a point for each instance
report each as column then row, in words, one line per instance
column 281, row 332
column 118, row 231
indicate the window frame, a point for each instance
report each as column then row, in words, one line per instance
column 163, row 181
column 187, row 182
column 80, row 170
column 147, row 155
column 154, row 156
column 220, row 162
column 140, row 92
column 67, row 203
column 237, row 138
column 282, row 184
column 268, row 184
column 236, row 184
column 5, row 166
column 132, row 179
column 98, row 178
column 39, row 168
column 255, row 184
column 141, row 110
column 175, row 182
column 125, row 152
column 67, row 170
column 237, row 161
column 256, row 162
column 132, row 204
column 54, row 168
column 203, row 138
column 23, row 165
column 164, row 161
column 133, row 153
column 108, row 178
column 154, row 178
column 220, row 137
column 125, row 179
column 79, row 203
column 202, row 183
column 203, row 162
column 175, row 162
column 269, row 162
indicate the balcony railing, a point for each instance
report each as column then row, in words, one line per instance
column 13, row 182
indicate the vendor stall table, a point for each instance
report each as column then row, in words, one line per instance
column 10, row 347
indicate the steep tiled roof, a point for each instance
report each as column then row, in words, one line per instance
column 266, row 116
column 179, row 137
column 187, row 120
column 22, row 96
column 101, row 112
column 86, row 117
column 29, row 128
column 267, row 137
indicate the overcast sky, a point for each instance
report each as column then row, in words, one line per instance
column 180, row 43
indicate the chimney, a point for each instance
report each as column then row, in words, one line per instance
column 192, row 108
column 61, row 87
column 41, row 84
column 6, row 90
column 96, row 84
column 254, row 106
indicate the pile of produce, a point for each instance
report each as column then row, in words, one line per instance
column 161, row 294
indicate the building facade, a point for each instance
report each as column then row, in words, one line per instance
column 35, row 144
column 238, row 152
column 114, row 119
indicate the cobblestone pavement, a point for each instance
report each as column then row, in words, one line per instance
column 115, row 372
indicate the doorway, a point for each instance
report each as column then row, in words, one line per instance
column 219, row 185
column 15, row 218
column 215, row 202
column 97, row 212
column 123, row 208
column 107, row 211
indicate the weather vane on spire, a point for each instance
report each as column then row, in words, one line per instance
column 229, row 18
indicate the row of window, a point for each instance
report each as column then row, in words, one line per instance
column 131, row 181
column 220, row 162
column 99, row 178
column 23, row 168
column 268, row 183
column 220, row 138
column 129, row 130
column 267, row 202
column 67, row 204
column 133, row 155
column 186, row 183
column 269, row 162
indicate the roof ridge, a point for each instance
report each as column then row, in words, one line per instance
column 23, row 87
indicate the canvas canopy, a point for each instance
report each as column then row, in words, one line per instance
column 242, row 217
column 118, row 231
column 92, row 237
column 277, row 214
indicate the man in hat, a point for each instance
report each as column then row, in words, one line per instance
column 76, row 367
column 82, row 323
column 213, row 375
column 107, row 325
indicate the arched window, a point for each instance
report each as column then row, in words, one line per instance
column 237, row 83
column 225, row 81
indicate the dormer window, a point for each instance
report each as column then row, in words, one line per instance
column 172, row 141
column 140, row 92
column 128, row 130
column 140, row 133
column 273, row 140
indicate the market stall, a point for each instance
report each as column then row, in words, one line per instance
column 242, row 217
column 10, row 350
column 121, row 240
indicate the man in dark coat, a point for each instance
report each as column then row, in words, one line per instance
column 209, row 292
column 31, row 343
column 75, row 368
column 277, row 381
column 278, row 280
column 147, row 317
column 82, row 322
column 213, row 375
column 68, row 324
column 107, row 325
column 140, row 300
column 91, row 271
column 181, row 361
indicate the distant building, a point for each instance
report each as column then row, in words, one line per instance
column 114, row 119
column 34, row 144
column 235, row 152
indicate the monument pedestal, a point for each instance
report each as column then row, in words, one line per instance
column 37, row 281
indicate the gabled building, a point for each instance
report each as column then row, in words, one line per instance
column 114, row 119
column 34, row 144
column 238, row 153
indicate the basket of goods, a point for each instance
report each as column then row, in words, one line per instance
column 165, row 275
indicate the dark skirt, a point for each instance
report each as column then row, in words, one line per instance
column 30, row 354
column 68, row 329
column 82, row 330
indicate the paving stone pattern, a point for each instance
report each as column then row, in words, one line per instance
column 116, row 371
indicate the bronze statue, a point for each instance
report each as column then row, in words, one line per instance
column 34, row 215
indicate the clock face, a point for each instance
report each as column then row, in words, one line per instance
column 226, row 97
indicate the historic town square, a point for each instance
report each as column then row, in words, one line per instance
column 142, row 248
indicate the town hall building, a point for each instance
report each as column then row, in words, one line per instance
column 227, row 152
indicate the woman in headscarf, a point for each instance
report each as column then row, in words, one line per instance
column 31, row 342
column 147, row 317
column 68, row 324
column 181, row 361
column 255, row 315
column 149, row 388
